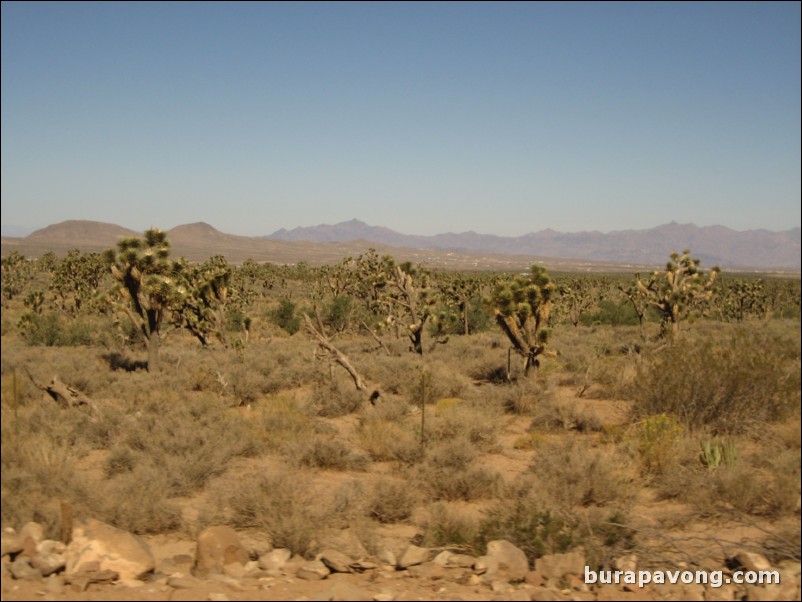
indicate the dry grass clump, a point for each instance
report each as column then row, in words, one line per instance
column 475, row 421
column 576, row 473
column 450, row 526
column 326, row 452
column 390, row 440
column 281, row 503
column 391, row 501
column 280, row 422
column 332, row 397
column 448, row 473
column 556, row 414
column 730, row 383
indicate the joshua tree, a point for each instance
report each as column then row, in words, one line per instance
column 521, row 308
column 677, row 289
column 76, row 279
column 145, row 285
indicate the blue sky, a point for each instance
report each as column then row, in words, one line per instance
column 502, row 118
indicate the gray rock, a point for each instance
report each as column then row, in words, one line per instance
column 463, row 561
column 216, row 547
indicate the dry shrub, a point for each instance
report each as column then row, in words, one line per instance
column 139, row 501
column 282, row 504
column 449, row 526
column 386, row 440
column 556, row 414
column 282, row 422
column 448, row 473
column 575, row 473
column 326, row 452
column 333, row 398
column 728, row 383
column 477, row 422
column 525, row 518
column 392, row 501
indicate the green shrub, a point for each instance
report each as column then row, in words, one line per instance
column 284, row 317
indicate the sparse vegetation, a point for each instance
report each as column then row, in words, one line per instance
column 255, row 433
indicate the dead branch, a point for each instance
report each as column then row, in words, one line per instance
column 63, row 394
column 375, row 338
column 338, row 356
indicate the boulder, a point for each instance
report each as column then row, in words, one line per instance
column 217, row 547
column 511, row 561
column 557, row 566
column 336, row 561
column 413, row 555
column 96, row 546
column 275, row 559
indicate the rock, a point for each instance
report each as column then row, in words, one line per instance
column 183, row 581
column 384, row 596
column 512, row 563
column 49, row 562
column 534, row 578
column 11, row 543
column 443, row 557
column 463, row 561
column 81, row 580
column 217, row 597
column 557, row 566
column 427, row 570
column 544, row 594
column 750, row 561
column 33, row 530
column 96, row 546
column 336, row 561
column 54, row 585
column 217, row 547
column 275, row 559
column 21, row 568
column 517, row 595
column 235, row 570
column 486, row 565
column 413, row 555
column 628, row 562
column 313, row 571
column 387, row 556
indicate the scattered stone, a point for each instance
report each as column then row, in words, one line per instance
column 463, row 561
column 486, row 565
column 235, row 570
column 81, row 580
column 336, row 561
column 534, row 578
column 275, row 559
column 180, row 581
column 313, row 571
column 517, row 595
column 556, row 566
column 413, row 555
column 21, row 568
column 443, row 557
column 499, row 587
column 751, row 561
column 49, row 562
column 218, row 546
column 33, row 530
column 628, row 562
column 427, row 570
column 388, row 557
column 96, row 546
column 11, row 543
column 217, row 597
column 545, row 594
column 384, row 596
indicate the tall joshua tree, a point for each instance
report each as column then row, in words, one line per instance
column 677, row 289
column 145, row 285
column 521, row 307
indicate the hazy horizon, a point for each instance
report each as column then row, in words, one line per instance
column 498, row 118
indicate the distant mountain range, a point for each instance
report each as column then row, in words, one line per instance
column 626, row 249
column 714, row 245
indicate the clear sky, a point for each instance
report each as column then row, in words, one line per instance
column 503, row 118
